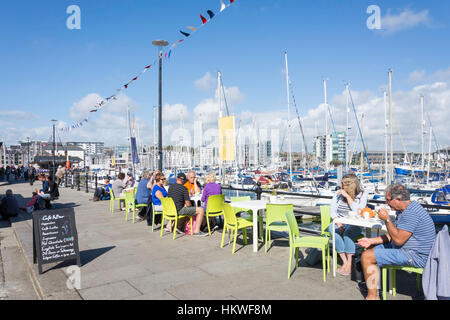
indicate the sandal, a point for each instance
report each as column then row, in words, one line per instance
column 343, row 273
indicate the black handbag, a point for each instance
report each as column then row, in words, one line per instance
column 357, row 273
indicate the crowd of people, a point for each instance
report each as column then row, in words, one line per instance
column 19, row 173
column 151, row 188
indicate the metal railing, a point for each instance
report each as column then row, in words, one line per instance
column 89, row 182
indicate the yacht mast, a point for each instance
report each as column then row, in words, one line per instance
column 326, row 124
column 289, row 118
column 154, row 139
column 429, row 156
column 219, row 97
column 347, row 162
column 386, row 124
column 390, row 125
column 422, row 133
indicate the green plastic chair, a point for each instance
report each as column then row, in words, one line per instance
column 214, row 208
column 112, row 200
column 153, row 218
column 233, row 223
column 275, row 219
column 419, row 272
column 170, row 213
column 130, row 202
column 250, row 212
column 296, row 242
column 325, row 221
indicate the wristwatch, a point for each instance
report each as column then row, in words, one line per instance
column 388, row 220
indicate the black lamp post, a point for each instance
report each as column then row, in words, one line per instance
column 54, row 148
column 160, row 44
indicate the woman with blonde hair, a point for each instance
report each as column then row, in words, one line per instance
column 349, row 198
column 211, row 188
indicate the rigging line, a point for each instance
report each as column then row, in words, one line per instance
column 434, row 136
column 331, row 117
column 303, row 135
column 360, row 133
column 57, row 134
column 224, row 96
column 413, row 175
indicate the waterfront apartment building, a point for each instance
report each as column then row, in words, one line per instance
column 332, row 147
column 91, row 148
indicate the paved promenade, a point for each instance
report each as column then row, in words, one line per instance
column 122, row 260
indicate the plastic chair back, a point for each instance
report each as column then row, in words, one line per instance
column 240, row 199
column 169, row 208
column 129, row 198
column 325, row 218
column 111, row 194
column 230, row 216
column 293, row 226
column 215, row 203
column 275, row 212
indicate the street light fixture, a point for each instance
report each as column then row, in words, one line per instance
column 160, row 44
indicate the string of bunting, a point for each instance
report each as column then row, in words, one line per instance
column 166, row 56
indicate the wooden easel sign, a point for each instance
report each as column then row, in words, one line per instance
column 55, row 237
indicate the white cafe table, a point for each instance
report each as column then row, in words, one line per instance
column 357, row 220
column 255, row 206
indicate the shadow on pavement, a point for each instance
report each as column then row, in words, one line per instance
column 86, row 256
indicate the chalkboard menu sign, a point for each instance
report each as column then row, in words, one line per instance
column 55, row 237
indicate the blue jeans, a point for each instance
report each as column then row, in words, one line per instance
column 345, row 241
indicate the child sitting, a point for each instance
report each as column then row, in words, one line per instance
column 32, row 204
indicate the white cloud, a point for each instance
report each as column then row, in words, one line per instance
column 205, row 83
column 175, row 112
column 422, row 76
column 407, row 19
column 9, row 115
column 417, row 76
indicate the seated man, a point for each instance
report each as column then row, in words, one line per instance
column 9, row 206
column 180, row 197
column 103, row 193
column 408, row 242
column 193, row 186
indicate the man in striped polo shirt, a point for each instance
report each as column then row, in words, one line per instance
column 408, row 242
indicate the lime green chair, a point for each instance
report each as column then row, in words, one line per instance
column 233, row 223
column 419, row 272
column 112, row 200
column 214, row 208
column 153, row 218
column 325, row 221
column 250, row 212
column 130, row 202
column 296, row 242
column 170, row 213
column 275, row 219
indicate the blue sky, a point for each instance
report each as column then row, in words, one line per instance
column 46, row 68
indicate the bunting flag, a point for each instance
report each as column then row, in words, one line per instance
column 185, row 34
column 167, row 55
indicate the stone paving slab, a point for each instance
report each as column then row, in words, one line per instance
column 122, row 260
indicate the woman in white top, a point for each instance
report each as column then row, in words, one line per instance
column 349, row 198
